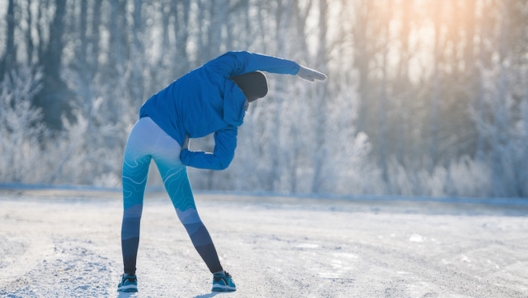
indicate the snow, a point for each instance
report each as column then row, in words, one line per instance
column 65, row 242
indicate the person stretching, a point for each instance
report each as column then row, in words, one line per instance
column 210, row 99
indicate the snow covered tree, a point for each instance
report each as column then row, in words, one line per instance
column 21, row 127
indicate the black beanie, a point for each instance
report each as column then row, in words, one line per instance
column 253, row 84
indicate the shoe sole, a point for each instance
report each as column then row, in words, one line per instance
column 129, row 288
column 223, row 289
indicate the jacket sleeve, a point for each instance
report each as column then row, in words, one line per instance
column 222, row 155
column 237, row 63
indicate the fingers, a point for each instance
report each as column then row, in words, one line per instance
column 310, row 74
column 319, row 76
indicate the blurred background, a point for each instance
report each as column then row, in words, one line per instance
column 424, row 97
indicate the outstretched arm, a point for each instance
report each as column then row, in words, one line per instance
column 238, row 63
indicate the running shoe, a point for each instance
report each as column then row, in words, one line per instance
column 128, row 283
column 222, row 282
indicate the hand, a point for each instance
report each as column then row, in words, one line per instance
column 186, row 143
column 310, row 74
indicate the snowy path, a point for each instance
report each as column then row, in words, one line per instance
column 66, row 243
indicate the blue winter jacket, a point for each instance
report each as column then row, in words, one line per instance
column 206, row 101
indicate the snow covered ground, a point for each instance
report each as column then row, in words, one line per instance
column 64, row 243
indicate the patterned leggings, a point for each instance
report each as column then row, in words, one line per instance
column 147, row 141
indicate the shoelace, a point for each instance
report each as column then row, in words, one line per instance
column 130, row 278
column 224, row 277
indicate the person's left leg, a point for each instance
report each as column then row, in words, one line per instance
column 179, row 189
column 176, row 182
column 136, row 163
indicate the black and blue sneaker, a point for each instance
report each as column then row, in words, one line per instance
column 128, row 283
column 222, row 282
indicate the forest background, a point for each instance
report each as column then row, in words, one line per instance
column 423, row 97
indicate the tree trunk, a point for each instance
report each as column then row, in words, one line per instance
column 320, row 151
column 30, row 47
column 434, row 121
column 54, row 96
column 96, row 36
column 9, row 58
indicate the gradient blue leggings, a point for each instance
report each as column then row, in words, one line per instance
column 147, row 141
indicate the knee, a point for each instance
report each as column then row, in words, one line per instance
column 133, row 211
column 189, row 216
